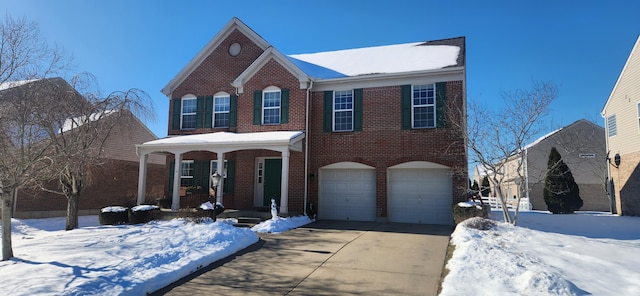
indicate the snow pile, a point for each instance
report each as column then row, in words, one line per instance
column 113, row 209
column 144, row 208
column 281, row 224
column 113, row 260
column 514, row 260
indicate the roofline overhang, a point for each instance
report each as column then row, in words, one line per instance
column 294, row 143
column 391, row 79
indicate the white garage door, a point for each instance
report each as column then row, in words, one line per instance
column 420, row 196
column 347, row 194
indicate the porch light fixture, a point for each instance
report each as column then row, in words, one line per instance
column 215, row 181
column 616, row 160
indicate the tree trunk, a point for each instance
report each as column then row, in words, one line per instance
column 72, row 211
column 7, row 248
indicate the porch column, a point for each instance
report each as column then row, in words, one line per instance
column 220, row 170
column 284, row 186
column 175, row 195
column 142, row 178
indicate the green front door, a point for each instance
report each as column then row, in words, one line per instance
column 272, row 180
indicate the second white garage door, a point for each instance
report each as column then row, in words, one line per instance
column 420, row 195
column 347, row 194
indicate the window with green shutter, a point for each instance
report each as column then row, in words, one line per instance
column 423, row 105
column 233, row 110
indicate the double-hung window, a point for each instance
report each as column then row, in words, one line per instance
column 271, row 107
column 423, row 106
column 186, row 173
column 188, row 115
column 343, row 111
column 221, row 111
column 612, row 126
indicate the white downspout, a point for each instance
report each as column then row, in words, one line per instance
column 526, row 178
column 306, row 150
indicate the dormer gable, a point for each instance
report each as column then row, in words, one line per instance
column 270, row 54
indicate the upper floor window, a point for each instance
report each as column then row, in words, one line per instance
column 221, row 107
column 343, row 110
column 611, row 125
column 271, row 106
column 188, row 114
column 186, row 173
column 423, row 106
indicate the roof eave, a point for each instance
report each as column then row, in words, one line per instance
column 615, row 86
column 263, row 59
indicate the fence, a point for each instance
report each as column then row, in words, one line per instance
column 494, row 202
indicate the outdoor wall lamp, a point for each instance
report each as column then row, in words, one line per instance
column 616, row 160
column 215, row 181
column 312, row 177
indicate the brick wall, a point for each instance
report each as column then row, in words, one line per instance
column 382, row 143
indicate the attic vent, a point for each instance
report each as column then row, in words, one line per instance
column 587, row 155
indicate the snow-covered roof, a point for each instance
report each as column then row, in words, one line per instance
column 12, row 84
column 397, row 58
column 228, row 138
column 540, row 139
column 72, row 123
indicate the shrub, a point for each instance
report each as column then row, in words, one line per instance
column 463, row 211
column 479, row 223
column 143, row 214
column 114, row 215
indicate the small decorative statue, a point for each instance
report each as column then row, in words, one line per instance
column 274, row 210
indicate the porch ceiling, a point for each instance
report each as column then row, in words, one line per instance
column 225, row 142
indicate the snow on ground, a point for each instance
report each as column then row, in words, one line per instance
column 588, row 253
column 119, row 260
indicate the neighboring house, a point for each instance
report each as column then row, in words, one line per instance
column 582, row 148
column 622, row 118
column 114, row 182
column 366, row 134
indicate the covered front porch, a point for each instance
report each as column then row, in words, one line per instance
column 219, row 143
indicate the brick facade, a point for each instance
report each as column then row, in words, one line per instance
column 626, row 179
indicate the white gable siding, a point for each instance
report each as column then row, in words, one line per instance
column 623, row 102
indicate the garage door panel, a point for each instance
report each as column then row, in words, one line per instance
column 420, row 196
column 347, row 194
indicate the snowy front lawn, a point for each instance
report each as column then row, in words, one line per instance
column 118, row 260
column 588, row 253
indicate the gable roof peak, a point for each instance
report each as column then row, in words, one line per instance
column 233, row 24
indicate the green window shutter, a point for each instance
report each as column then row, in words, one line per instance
column 406, row 107
column 208, row 112
column 441, row 104
column 175, row 120
column 200, row 112
column 233, row 111
column 172, row 166
column 201, row 174
column 328, row 111
column 284, row 106
column 229, row 181
column 357, row 109
column 257, row 107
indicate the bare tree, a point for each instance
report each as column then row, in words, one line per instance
column 79, row 126
column 24, row 57
column 496, row 137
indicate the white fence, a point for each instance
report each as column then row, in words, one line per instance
column 494, row 202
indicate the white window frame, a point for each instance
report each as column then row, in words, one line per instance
column 221, row 96
column 182, row 171
column 427, row 105
column 183, row 114
column 350, row 110
column 612, row 119
column 265, row 92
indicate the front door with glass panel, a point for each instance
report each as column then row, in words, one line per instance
column 268, row 181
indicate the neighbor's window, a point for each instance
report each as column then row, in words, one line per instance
column 423, row 106
column 221, row 111
column 186, row 173
column 188, row 114
column 271, row 107
column 611, row 125
column 343, row 110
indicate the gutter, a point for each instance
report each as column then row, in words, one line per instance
column 306, row 151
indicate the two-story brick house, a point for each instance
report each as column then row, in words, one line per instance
column 365, row 134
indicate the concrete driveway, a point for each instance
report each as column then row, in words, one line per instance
column 329, row 258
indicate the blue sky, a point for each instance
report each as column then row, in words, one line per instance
column 579, row 45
